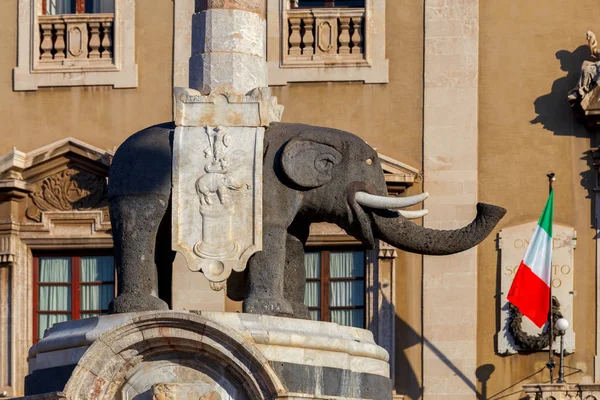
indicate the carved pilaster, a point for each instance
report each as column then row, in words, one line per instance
column 7, row 249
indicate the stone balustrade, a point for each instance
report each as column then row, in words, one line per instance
column 562, row 391
column 330, row 35
column 76, row 40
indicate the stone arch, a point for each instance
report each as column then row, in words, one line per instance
column 171, row 339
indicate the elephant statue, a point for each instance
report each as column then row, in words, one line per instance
column 310, row 174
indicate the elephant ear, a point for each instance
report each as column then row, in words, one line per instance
column 308, row 163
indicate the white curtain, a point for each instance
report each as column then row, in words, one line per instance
column 56, row 7
column 96, row 297
column 54, row 298
column 347, row 293
column 312, row 293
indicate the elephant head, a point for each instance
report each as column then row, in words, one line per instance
column 341, row 180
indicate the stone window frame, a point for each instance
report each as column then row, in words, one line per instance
column 121, row 73
column 373, row 69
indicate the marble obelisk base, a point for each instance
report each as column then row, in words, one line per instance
column 206, row 355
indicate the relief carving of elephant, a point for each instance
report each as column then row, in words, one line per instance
column 310, row 174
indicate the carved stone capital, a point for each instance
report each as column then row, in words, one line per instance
column 226, row 107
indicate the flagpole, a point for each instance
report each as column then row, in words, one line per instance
column 551, row 179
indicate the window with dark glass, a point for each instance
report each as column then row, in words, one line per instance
column 69, row 287
column 56, row 7
column 335, row 286
column 328, row 3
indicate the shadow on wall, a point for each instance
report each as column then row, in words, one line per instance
column 555, row 114
column 552, row 109
column 407, row 382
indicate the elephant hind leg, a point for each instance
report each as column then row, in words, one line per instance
column 135, row 222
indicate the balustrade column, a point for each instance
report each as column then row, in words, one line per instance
column 94, row 40
column 357, row 36
column 107, row 40
column 59, row 44
column 46, row 43
column 344, row 36
column 309, row 37
column 295, row 38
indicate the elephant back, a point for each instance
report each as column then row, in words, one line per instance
column 142, row 164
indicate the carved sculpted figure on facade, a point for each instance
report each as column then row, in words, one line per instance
column 590, row 72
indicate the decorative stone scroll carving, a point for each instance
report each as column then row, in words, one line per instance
column 518, row 332
column 73, row 189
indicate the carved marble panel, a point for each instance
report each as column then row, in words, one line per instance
column 513, row 243
column 217, row 198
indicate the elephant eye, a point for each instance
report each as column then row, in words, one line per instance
column 369, row 161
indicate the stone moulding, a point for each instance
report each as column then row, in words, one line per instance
column 228, row 355
column 226, row 107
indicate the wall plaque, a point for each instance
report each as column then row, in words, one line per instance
column 512, row 244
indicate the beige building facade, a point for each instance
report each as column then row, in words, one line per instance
column 464, row 99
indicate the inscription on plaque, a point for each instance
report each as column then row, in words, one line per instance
column 512, row 244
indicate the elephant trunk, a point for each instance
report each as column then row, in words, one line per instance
column 396, row 230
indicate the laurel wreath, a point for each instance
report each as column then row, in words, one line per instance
column 522, row 339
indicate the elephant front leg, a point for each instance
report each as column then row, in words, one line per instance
column 295, row 277
column 265, row 286
column 135, row 222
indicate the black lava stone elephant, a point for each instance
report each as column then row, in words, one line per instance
column 310, row 174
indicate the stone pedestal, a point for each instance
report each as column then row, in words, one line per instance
column 207, row 355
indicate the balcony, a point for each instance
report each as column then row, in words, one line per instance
column 326, row 41
column 75, row 41
column 325, row 37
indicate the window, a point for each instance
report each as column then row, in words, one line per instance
column 55, row 7
column 68, row 287
column 338, row 277
column 75, row 43
column 328, row 3
column 326, row 40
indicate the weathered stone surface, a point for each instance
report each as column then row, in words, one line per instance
column 212, row 356
column 228, row 47
column 226, row 107
column 228, row 31
column 243, row 72
column 217, row 187
column 513, row 244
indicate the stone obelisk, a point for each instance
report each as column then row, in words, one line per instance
column 217, row 149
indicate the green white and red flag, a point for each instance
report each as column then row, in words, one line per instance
column 530, row 290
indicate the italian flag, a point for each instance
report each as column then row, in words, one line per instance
column 530, row 290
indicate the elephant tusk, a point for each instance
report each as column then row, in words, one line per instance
column 413, row 214
column 383, row 202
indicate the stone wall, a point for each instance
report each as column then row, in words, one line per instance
column 99, row 115
column 529, row 58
